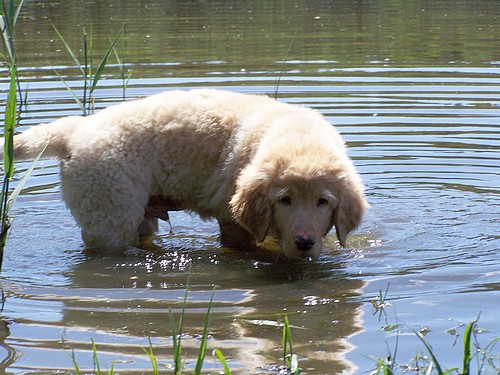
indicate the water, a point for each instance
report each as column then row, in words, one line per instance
column 414, row 89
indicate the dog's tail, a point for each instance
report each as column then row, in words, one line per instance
column 54, row 135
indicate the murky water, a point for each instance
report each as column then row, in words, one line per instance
column 413, row 86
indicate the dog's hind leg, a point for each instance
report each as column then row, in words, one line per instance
column 114, row 230
column 110, row 210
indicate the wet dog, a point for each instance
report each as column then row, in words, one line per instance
column 259, row 166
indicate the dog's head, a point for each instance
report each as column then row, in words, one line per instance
column 298, row 203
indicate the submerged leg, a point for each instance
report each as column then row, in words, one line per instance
column 233, row 235
column 149, row 226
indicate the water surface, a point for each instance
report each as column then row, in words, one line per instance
column 414, row 89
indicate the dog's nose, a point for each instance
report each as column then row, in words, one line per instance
column 304, row 243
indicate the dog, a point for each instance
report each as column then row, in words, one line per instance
column 259, row 166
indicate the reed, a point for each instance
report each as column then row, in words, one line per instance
column 177, row 337
column 8, row 20
column 291, row 359
column 9, row 15
column 152, row 357
column 204, row 338
column 177, row 334
column 484, row 359
column 222, row 359
column 120, row 58
column 90, row 73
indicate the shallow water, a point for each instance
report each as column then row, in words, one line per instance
column 414, row 89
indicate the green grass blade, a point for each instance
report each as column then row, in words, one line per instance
column 204, row 339
column 89, row 50
column 287, row 338
column 15, row 193
column 111, row 371
column 121, row 64
column 184, row 305
column 222, row 359
column 16, row 14
column 96, row 360
column 284, row 338
column 152, row 357
column 9, row 13
column 73, row 94
column 467, row 347
column 9, row 128
column 291, row 359
column 7, row 23
column 176, row 343
column 75, row 363
column 4, row 27
column 128, row 78
column 87, row 71
column 431, row 353
column 70, row 51
column 10, row 124
column 102, row 65
column 278, row 80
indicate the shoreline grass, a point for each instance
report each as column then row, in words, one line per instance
column 9, row 15
column 91, row 76
column 475, row 359
column 427, row 361
column 289, row 358
column 8, row 19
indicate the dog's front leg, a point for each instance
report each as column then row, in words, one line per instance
column 235, row 236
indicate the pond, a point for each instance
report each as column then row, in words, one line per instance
column 414, row 88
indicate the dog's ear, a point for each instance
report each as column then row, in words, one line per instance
column 250, row 205
column 348, row 213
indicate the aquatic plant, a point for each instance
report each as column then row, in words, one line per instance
column 91, row 75
column 282, row 69
column 291, row 363
column 120, row 58
column 177, row 334
column 8, row 18
column 430, row 364
column 177, row 337
column 291, row 359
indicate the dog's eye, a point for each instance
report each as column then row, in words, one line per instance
column 322, row 202
column 286, row 200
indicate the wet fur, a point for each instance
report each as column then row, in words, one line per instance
column 260, row 167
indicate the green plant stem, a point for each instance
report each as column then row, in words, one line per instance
column 7, row 23
column 467, row 347
column 222, row 360
column 204, row 339
column 90, row 78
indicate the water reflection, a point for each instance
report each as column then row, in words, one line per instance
column 120, row 302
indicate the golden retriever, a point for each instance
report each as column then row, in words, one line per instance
column 259, row 166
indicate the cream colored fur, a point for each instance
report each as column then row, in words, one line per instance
column 260, row 167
